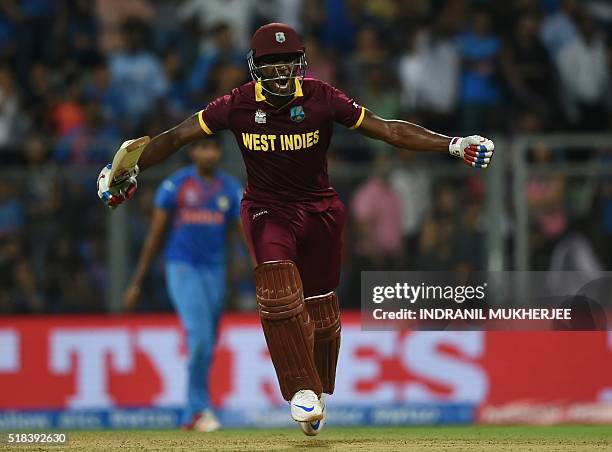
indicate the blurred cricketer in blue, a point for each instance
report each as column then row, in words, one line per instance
column 202, row 207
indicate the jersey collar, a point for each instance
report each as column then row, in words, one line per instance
column 260, row 96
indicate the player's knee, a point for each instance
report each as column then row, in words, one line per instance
column 321, row 280
column 198, row 337
column 324, row 310
column 279, row 289
column 195, row 344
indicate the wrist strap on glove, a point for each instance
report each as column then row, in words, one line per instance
column 454, row 147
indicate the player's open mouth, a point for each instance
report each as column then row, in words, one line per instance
column 282, row 83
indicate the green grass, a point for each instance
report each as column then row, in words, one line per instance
column 429, row 439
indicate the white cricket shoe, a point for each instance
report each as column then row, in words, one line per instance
column 306, row 406
column 206, row 421
column 314, row 428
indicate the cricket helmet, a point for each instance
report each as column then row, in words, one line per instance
column 272, row 40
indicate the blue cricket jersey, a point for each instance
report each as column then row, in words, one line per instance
column 201, row 212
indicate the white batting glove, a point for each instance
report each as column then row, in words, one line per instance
column 475, row 150
column 118, row 193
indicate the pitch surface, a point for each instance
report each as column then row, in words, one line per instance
column 561, row 438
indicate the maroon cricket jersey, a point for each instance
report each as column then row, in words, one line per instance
column 284, row 149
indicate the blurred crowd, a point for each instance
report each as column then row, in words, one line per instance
column 77, row 77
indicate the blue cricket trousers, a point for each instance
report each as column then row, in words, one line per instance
column 197, row 294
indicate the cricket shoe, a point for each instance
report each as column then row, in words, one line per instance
column 306, row 406
column 314, row 428
column 205, row 421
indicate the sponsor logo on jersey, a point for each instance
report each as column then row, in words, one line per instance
column 200, row 216
column 260, row 117
column 285, row 142
column 192, row 198
column 280, row 37
column 297, row 113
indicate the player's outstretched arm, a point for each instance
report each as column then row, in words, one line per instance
column 167, row 143
column 157, row 150
column 475, row 150
column 153, row 242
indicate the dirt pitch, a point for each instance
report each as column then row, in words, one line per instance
column 563, row 438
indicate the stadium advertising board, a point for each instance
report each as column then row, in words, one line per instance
column 128, row 371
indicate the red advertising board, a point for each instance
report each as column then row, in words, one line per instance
column 125, row 361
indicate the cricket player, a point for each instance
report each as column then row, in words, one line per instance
column 202, row 207
column 292, row 217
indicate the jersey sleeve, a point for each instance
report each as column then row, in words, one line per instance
column 215, row 116
column 165, row 197
column 344, row 109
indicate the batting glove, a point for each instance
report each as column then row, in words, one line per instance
column 475, row 150
column 118, row 192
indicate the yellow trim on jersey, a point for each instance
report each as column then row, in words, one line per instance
column 298, row 89
column 359, row 121
column 205, row 128
column 259, row 95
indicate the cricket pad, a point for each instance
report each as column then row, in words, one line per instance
column 324, row 311
column 287, row 327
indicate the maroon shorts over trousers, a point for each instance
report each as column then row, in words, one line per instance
column 308, row 234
